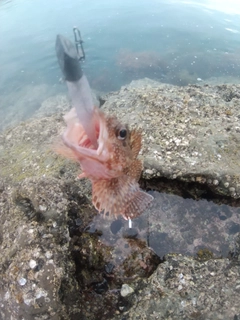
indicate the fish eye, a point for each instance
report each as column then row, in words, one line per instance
column 122, row 134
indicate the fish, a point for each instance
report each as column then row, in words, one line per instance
column 106, row 149
column 112, row 164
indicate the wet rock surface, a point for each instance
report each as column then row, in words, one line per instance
column 53, row 264
column 184, row 288
column 190, row 133
column 60, row 260
column 35, row 263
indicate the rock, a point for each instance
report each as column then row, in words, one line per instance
column 28, row 151
column 183, row 288
column 50, row 264
column 55, row 249
column 36, row 268
column 190, row 133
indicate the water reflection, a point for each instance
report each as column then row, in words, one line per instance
column 230, row 7
column 174, row 225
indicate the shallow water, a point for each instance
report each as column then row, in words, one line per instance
column 178, row 42
column 175, row 225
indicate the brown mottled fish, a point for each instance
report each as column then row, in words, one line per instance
column 112, row 166
column 106, row 150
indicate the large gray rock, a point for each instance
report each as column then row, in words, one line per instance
column 55, row 265
column 190, row 133
column 53, row 262
column 184, row 288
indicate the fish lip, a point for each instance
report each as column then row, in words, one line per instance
column 95, row 154
column 100, row 148
column 76, row 138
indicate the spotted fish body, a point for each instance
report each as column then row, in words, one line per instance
column 112, row 166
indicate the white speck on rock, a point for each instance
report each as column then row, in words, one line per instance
column 7, row 295
column 48, row 254
column 180, row 276
column 22, row 281
column 183, row 303
column 42, row 208
column 40, row 293
column 32, row 264
column 149, row 171
column 126, row 290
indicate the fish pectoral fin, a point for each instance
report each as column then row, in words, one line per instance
column 120, row 196
column 135, row 169
column 137, row 205
column 136, row 141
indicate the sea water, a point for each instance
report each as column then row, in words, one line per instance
column 173, row 41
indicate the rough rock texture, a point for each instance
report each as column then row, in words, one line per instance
column 55, row 262
column 190, row 133
column 183, row 288
column 36, row 269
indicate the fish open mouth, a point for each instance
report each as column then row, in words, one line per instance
column 77, row 139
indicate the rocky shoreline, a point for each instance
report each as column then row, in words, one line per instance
column 56, row 263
